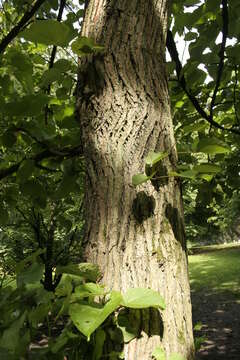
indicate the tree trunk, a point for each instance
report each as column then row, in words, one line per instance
column 125, row 113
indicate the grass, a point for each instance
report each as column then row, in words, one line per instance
column 216, row 271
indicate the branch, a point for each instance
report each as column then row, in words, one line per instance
column 16, row 30
column 221, row 53
column 64, row 153
column 171, row 46
column 234, row 93
column 59, row 19
column 53, row 55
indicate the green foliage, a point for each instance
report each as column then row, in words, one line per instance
column 207, row 193
column 48, row 32
column 84, row 325
column 42, row 174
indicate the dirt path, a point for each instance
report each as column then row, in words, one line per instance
column 220, row 318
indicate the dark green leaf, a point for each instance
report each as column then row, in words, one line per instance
column 30, row 275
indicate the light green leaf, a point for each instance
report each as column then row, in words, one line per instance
column 139, row 179
column 88, row 271
column 89, row 289
column 212, row 146
column 140, row 298
column 48, row 32
column 207, row 168
column 176, row 357
column 198, row 326
column 84, row 46
column 153, row 157
column 190, row 174
column 159, row 353
column 87, row 318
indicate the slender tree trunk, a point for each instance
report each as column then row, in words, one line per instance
column 125, row 113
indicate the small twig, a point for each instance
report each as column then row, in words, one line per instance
column 53, row 55
column 48, row 153
column 221, row 54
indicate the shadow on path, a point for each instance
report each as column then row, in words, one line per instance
column 220, row 317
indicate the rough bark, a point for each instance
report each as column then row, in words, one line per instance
column 125, row 113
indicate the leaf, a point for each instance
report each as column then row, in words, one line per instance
column 31, row 275
column 126, row 324
column 48, row 32
column 88, row 271
column 207, row 168
column 140, row 298
column 35, row 190
column 4, row 216
column 87, row 318
column 212, row 146
column 194, row 127
column 89, row 289
column 84, row 46
column 28, row 105
column 64, row 65
column 54, row 4
column 62, row 340
column 25, row 170
column 100, row 338
column 198, row 326
column 10, row 337
column 159, row 353
column 153, row 157
column 176, row 357
column 139, row 179
column 9, row 138
column 190, row 174
column 67, row 185
column 51, row 75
